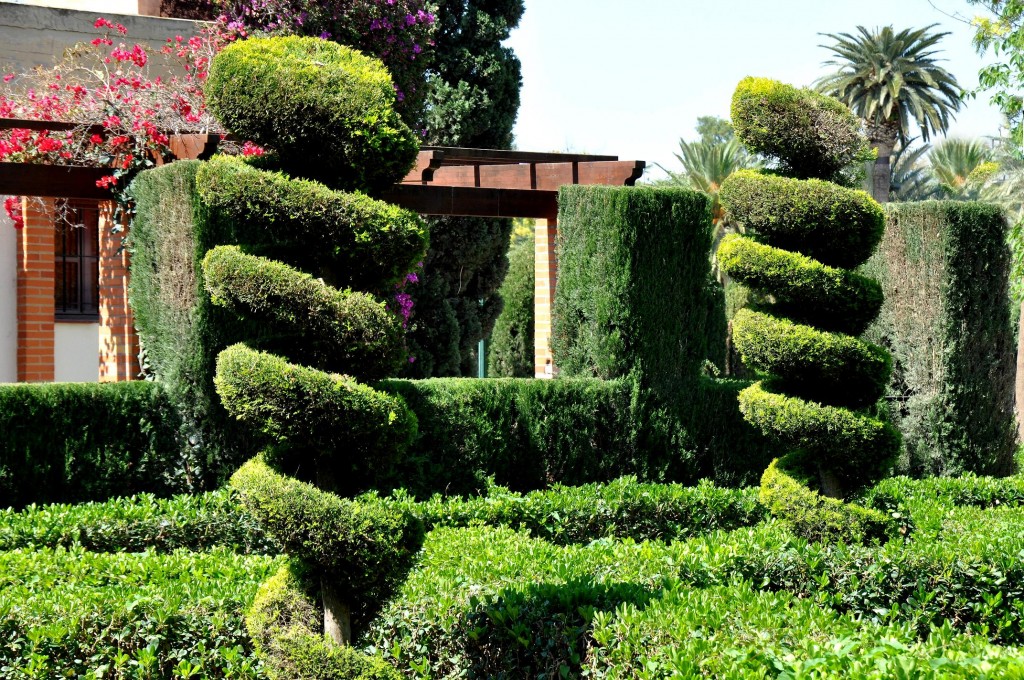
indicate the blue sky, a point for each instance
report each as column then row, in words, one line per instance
column 630, row 77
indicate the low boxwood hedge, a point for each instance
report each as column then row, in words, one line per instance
column 72, row 613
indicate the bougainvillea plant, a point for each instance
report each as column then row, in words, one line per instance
column 123, row 114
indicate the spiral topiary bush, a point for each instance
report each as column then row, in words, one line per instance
column 326, row 109
column 820, row 381
column 293, row 269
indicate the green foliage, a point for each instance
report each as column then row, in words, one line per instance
column 362, row 548
column 944, row 267
column 487, row 602
column 816, row 517
column 617, row 312
column 818, row 365
column 838, row 226
column 623, row 508
column 72, row 613
column 1003, row 34
column 285, row 628
column 180, row 331
column 326, row 109
column 808, row 134
column 912, row 86
column 802, row 289
column 965, row 490
column 69, row 442
column 857, row 446
column 348, row 331
column 346, row 428
column 353, row 239
column 510, row 352
column 473, row 101
column 686, row 632
column 528, row 434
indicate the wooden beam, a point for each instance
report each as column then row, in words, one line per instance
column 27, row 179
column 473, row 202
column 463, row 156
column 541, row 176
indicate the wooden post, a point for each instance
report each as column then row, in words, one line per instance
column 545, row 277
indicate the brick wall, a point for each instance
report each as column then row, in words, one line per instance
column 119, row 344
column 35, row 291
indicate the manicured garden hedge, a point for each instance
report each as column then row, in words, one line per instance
column 944, row 268
column 633, row 296
column 529, row 434
column 68, row 442
column 72, row 613
column 510, row 349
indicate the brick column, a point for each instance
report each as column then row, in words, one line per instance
column 119, row 344
column 545, row 273
column 35, row 291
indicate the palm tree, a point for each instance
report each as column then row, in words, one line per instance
column 706, row 164
column 962, row 167
column 911, row 178
column 888, row 79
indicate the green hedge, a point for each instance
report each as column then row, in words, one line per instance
column 944, row 267
column 529, row 434
column 326, row 109
column 486, row 602
column 72, row 613
column 362, row 548
column 833, row 368
column 809, row 134
column 133, row 524
column 71, row 442
column 632, row 295
column 802, row 289
column 347, row 331
column 350, row 238
column 839, row 227
column 510, row 349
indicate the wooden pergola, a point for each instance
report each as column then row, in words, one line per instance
column 444, row 181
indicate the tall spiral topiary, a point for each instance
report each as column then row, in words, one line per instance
column 803, row 236
column 326, row 112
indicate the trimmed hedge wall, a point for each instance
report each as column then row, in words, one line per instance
column 944, row 268
column 529, row 434
column 633, row 295
column 73, row 442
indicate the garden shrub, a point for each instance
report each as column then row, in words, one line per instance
column 350, row 331
column 510, row 350
column 809, row 134
column 69, row 442
column 331, row 118
column 819, row 383
column 198, row 522
column 363, row 548
column 485, row 601
column 945, row 268
column 801, row 288
column 72, row 613
column 529, row 434
column 838, row 227
column 325, row 109
column 285, row 628
column 618, row 312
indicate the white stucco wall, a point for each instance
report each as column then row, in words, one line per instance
column 76, row 352
column 8, row 299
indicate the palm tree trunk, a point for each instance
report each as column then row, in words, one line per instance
column 883, row 138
